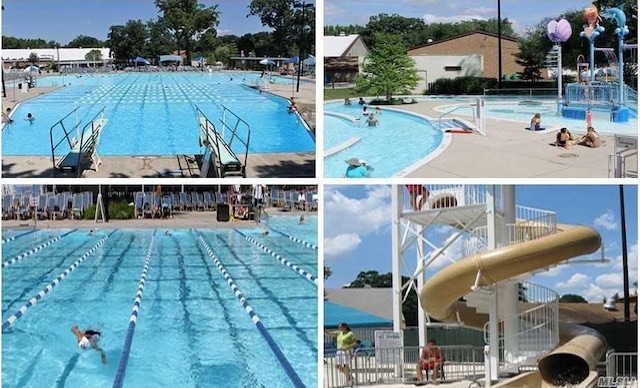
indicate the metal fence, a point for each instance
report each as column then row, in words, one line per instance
column 398, row 365
column 439, row 196
column 623, row 364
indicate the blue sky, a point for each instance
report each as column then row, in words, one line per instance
column 521, row 13
column 63, row 20
column 364, row 242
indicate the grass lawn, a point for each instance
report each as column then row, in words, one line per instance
column 342, row 93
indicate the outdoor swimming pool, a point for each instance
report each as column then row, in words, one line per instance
column 524, row 113
column 191, row 330
column 153, row 113
column 396, row 143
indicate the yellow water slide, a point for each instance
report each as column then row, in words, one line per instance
column 580, row 347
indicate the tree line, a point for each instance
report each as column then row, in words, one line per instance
column 190, row 28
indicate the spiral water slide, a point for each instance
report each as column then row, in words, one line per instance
column 580, row 347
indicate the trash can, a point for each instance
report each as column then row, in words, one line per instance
column 20, row 86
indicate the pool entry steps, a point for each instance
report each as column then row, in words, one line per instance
column 224, row 148
column 80, row 145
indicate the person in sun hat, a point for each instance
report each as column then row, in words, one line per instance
column 357, row 168
column 89, row 338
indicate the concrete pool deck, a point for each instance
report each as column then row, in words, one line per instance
column 510, row 151
column 265, row 165
column 180, row 220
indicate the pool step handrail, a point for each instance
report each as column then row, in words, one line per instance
column 219, row 151
column 82, row 149
column 133, row 318
column 473, row 114
column 282, row 359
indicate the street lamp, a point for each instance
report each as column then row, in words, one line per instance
column 304, row 6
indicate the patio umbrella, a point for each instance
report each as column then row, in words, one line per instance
column 142, row 60
column 32, row 69
column 295, row 59
column 267, row 61
column 310, row 61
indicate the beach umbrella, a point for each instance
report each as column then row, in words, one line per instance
column 267, row 61
column 32, row 69
column 295, row 59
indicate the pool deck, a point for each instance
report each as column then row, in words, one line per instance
column 180, row 220
column 265, row 165
column 510, row 151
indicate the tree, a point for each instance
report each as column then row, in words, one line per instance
column 289, row 28
column 33, row 58
column 224, row 53
column 531, row 57
column 188, row 19
column 85, row 41
column 93, row 55
column 128, row 41
column 161, row 41
column 388, row 69
column 573, row 298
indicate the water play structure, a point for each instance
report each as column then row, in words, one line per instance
column 614, row 97
column 485, row 287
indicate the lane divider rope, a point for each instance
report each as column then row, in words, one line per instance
column 8, row 239
column 281, row 259
column 296, row 239
column 291, row 373
column 133, row 319
column 33, row 301
column 34, row 250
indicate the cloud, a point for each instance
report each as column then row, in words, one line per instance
column 222, row 32
column 485, row 11
column 362, row 216
column 606, row 221
column 554, row 271
column 331, row 9
column 341, row 244
column 429, row 18
column 610, row 280
column 576, row 280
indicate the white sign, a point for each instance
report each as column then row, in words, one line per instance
column 388, row 347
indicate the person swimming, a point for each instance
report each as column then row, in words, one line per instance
column 89, row 338
column 301, row 222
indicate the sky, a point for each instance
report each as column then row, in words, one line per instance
column 364, row 242
column 63, row 20
column 521, row 13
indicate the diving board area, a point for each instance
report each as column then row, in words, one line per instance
column 82, row 152
column 219, row 146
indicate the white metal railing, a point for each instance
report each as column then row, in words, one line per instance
column 398, row 365
column 536, row 326
column 473, row 114
column 425, row 197
column 531, row 224
column 622, row 364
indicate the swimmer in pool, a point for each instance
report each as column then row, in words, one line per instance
column 301, row 222
column 89, row 338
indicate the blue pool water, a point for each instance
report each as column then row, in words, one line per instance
column 524, row 113
column 191, row 329
column 395, row 144
column 153, row 114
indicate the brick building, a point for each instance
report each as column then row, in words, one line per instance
column 472, row 54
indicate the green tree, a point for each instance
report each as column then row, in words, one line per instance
column 188, row 19
column 128, row 41
column 290, row 30
column 33, row 58
column 93, row 55
column 224, row 53
column 412, row 31
column 160, row 41
column 388, row 69
column 573, row 298
column 85, row 41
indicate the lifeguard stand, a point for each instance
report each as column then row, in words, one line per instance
column 523, row 317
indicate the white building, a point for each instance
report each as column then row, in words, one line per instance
column 75, row 57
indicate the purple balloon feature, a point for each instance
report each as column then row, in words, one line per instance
column 559, row 31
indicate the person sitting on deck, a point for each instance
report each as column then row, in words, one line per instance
column 591, row 139
column 292, row 107
column 5, row 117
column 89, row 338
column 535, row 123
column 431, row 358
column 564, row 138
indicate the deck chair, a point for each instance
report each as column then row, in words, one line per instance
column 147, row 206
column 311, row 203
column 138, row 202
column 77, row 209
column 194, row 201
column 185, row 200
column 52, row 209
column 166, row 206
column 6, row 207
column 42, row 204
column 207, row 198
column 175, row 202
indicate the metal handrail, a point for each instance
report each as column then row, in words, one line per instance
column 66, row 134
column 234, row 131
column 473, row 114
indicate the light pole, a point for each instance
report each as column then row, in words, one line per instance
column 304, row 6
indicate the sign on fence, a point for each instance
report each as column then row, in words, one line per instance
column 387, row 344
